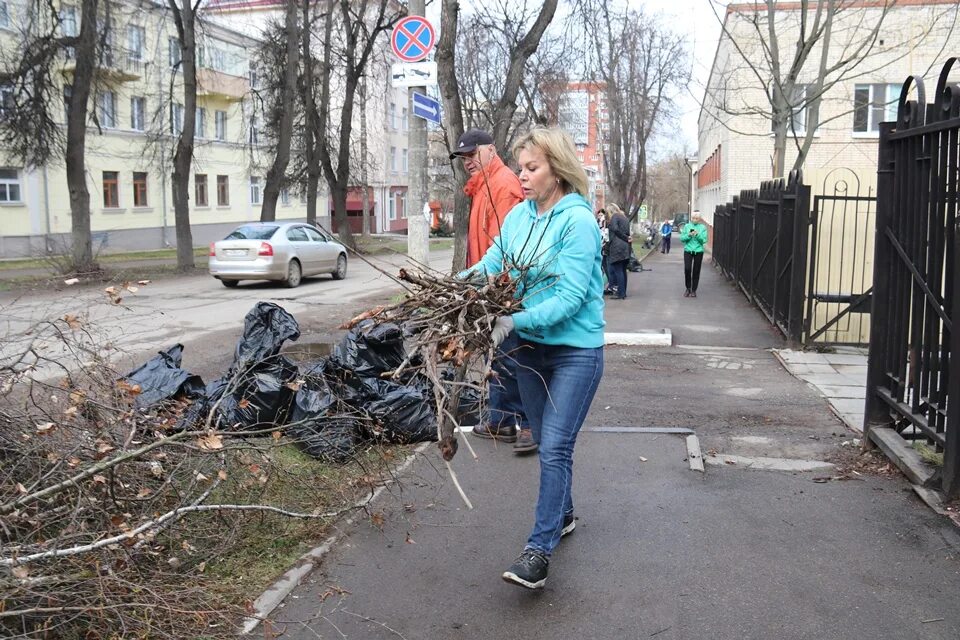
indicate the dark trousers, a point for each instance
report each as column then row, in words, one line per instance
column 618, row 277
column 691, row 269
column 665, row 248
column 506, row 407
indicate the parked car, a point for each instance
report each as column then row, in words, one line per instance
column 679, row 220
column 284, row 251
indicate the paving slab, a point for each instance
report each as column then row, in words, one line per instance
column 844, row 391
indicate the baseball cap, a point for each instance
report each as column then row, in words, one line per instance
column 469, row 142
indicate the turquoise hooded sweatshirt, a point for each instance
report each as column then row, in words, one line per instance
column 562, row 292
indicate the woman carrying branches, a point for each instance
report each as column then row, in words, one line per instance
column 553, row 240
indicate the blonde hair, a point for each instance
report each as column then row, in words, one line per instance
column 561, row 155
column 613, row 209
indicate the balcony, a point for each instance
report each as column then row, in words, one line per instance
column 217, row 84
column 118, row 65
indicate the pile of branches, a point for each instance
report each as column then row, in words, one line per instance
column 449, row 321
column 114, row 520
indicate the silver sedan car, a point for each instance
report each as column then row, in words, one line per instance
column 284, row 251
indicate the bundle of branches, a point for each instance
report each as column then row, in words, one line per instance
column 114, row 522
column 449, row 321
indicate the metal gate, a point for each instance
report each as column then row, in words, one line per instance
column 910, row 389
column 840, row 261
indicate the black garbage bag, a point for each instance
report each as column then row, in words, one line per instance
column 405, row 413
column 265, row 328
column 255, row 398
column 317, row 425
column 160, row 378
column 471, row 411
column 370, row 349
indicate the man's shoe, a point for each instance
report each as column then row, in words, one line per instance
column 686, row 294
column 569, row 524
column 528, row 570
column 693, row 294
column 505, row 433
column 524, row 443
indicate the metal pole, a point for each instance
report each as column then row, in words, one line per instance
column 418, row 226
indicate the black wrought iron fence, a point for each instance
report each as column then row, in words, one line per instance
column 911, row 390
column 754, row 246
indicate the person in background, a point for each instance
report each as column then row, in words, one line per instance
column 602, row 219
column 494, row 190
column 693, row 235
column 619, row 252
column 666, row 231
column 555, row 237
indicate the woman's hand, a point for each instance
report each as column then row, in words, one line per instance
column 501, row 329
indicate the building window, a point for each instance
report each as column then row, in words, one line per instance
column 200, row 189
column 200, row 123
column 138, row 109
column 393, row 115
column 68, row 21
column 392, row 212
column 220, row 124
column 404, row 158
column 140, row 189
column 9, row 185
column 285, row 197
column 111, row 190
column 136, row 37
column 254, row 131
column 173, row 52
column 176, row 119
column 403, row 204
column 254, row 190
column 223, row 191
column 403, row 118
column 393, row 159
column 108, row 109
column 873, row 104
column 7, row 102
column 4, row 15
column 254, row 78
column 67, row 93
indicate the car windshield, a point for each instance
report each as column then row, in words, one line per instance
column 252, row 232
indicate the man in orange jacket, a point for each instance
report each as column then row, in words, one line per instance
column 494, row 190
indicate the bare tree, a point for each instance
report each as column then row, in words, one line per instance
column 795, row 54
column 361, row 25
column 185, row 18
column 519, row 27
column 640, row 64
column 313, row 120
column 283, row 109
column 30, row 128
column 669, row 187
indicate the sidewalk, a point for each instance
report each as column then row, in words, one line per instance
column 660, row 550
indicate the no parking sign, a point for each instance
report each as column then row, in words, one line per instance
column 412, row 38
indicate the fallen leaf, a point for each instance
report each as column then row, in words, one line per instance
column 202, row 566
column 99, row 479
column 104, row 447
column 54, row 457
column 77, row 397
column 70, row 281
column 410, row 540
column 131, row 288
column 73, row 462
column 243, row 404
column 201, row 477
column 45, row 428
column 144, row 492
column 72, row 321
column 70, row 412
column 254, row 469
column 276, row 435
column 21, row 488
column 156, row 468
column 210, row 442
column 21, row 572
column 222, row 474
column 295, row 385
column 378, row 520
column 129, row 389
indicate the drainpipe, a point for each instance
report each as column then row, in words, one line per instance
column 46, row 211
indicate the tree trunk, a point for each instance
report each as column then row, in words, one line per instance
column 453, row 110
column 312, row 118
column 86, row 53
column 277, row 172
column 185, row 19
column 363, row 158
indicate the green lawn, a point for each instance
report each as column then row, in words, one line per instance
column 106, row 258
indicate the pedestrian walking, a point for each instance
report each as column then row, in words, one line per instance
column 494, row 190
column 666, row 232
column 554, row 232
column 693, row 235
column 619, row 253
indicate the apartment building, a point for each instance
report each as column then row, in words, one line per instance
column 582, row 112
column 736, row 144
column 387, row 119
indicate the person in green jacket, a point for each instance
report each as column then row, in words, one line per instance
column 693, row 235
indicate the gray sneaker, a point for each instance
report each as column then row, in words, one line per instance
column 524, row 443
column 504, row 433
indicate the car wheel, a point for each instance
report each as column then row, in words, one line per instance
column 230, row 284
column 341, row 271
column 294, row 274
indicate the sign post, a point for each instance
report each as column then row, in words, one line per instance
column 413, row 39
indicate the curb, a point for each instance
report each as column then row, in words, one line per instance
column 661, row 338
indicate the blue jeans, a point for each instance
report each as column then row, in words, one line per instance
column 506, row 408
column 618, row 277
column 557, row 384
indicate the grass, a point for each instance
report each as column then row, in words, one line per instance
column 387, row 245
column 106, row 258
column 928, row 454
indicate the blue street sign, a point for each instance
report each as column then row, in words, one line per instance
column 426, row 107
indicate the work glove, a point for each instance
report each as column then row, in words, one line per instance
column 501, row 329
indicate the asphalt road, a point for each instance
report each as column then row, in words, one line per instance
column 196, row 311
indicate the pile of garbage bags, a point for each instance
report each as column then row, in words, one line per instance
column 329, row 406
